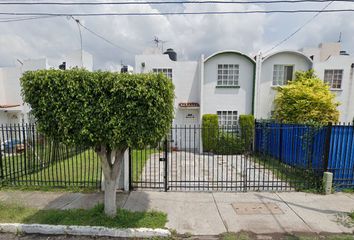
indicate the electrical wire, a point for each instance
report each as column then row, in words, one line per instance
column 20, row 19
column 169, row 2
column 176, row 13
column 298, row 29
column 101, row 37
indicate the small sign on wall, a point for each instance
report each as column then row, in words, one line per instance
column 190, row 116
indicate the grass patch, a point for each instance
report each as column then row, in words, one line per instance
column 77, row 171
column 297, row 178
column 348, row 190
column 139, row 159
column 235, row 236
column 12, row 213
column 351, row 215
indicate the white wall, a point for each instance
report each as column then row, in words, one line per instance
column 228, row 99
column 346, row 94
column 185, row 77
column 265, row 92
column 73, row 59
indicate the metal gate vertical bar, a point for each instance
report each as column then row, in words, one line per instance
column 166, row 166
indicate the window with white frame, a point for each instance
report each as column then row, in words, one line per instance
column 228, row 74
column 166, row 71
column 333, row 77
column 227, row 118
column 282, row 74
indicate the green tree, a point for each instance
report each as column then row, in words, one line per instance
column 106, row 111
column 307, row 99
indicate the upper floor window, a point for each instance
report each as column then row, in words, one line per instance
column 228, row 74
column 334, row 78
column 166, row 71
column 282, row 74
column 227, row 118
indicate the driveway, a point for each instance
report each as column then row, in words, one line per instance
column 189, row 171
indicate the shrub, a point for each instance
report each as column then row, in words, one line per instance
column 103, row 110
column 307, row 99
column 247, row 130
column 210, row 127
column 229, row 143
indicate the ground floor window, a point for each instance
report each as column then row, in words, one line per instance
column 227, row 118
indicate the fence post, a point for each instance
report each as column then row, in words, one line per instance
column 327, row 146
column 166, row 165
column 281, row 142
column 1, row 165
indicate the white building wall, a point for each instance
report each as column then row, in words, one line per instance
column 185, row 77
column 345, row 95
column 10, row 87
column 74, row 60
column 265, row 91
column 228, row 99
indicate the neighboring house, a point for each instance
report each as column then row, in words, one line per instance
column 12, row 108
column 336, row 68
column 273, row 71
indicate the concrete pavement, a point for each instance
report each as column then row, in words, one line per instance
column 202, row 213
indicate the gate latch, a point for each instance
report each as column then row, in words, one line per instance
column 162, row 159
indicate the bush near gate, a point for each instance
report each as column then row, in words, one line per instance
column 210, row 128
column 103, row 110
column 307, row 99
column 229, row 143
column 246, row 123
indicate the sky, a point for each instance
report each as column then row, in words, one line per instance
column 189, row 35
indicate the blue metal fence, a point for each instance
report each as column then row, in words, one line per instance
column 341, row 156
column 329, row 148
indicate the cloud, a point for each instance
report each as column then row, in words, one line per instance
column 189, row 35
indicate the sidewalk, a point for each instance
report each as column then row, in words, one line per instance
column 215, row 213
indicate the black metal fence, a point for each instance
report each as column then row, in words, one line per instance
column 27, row 158
column 194, row 158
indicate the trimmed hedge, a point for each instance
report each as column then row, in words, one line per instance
column 247, row 130
column 229, row 143
column 210, row 128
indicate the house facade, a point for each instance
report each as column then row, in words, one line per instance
column 12, row 108
column 230, row 83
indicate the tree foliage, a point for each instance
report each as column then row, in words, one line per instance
column 307, row 99
column 100, row 108
column 107, row 111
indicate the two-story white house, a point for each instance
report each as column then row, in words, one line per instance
column 229, row 83
column 12, row 108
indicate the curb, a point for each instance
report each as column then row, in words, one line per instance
column 83, row 230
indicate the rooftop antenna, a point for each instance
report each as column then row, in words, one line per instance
column 158, row 41
column 340, row 37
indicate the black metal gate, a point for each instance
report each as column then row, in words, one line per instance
column 196, row 159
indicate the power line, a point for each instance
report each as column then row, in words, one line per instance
column 20, row 19
column 170, row 2
column 298, row 29
column 176, row 13
column 79, row 28
column 100, row 36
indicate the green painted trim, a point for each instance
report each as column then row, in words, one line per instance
column 254, row 87
column 231, row 51
column 220, row 86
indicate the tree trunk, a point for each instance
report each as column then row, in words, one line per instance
column 110, row 197
column 111, row 161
